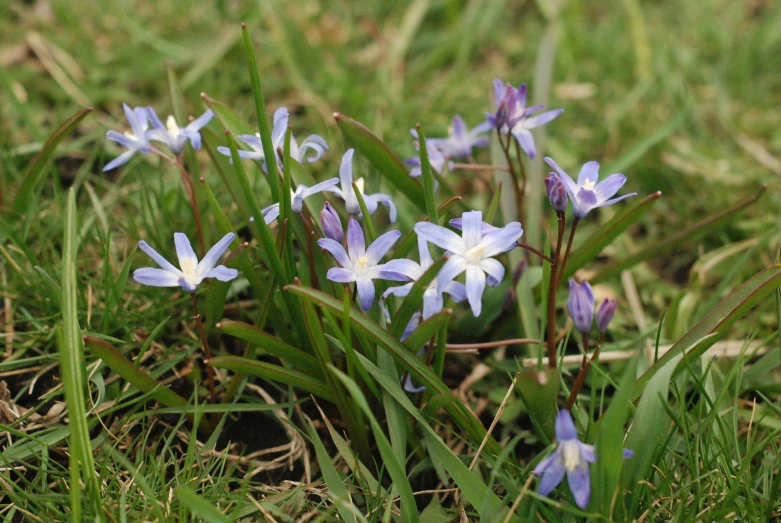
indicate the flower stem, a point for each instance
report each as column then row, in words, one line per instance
column 566, row 252
column 514, row 174
column 532, row 250
column 552, row 288
column 207, row 352
column 585, row 365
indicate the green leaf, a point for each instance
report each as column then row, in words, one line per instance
column 117, row 362
column 428, row 179
column 37, row 168
column 716, row 322
column 608, row 232
column 381, row 157
column 427, row 329
column 200, row 507
column 72, row 366
column 539, row 391
column 274, row 373
column 414, row 300
column 274, row 346
column 395, row 468
column 676, row 240
column 424, row 375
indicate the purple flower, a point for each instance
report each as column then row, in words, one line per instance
column 346, row 193
column 512, row 116
column 362, row 265
column 192, row 271
column 462, row 140
column 432, row 297
column 557, row 194
column 581, row 305
column 175, row 137
column 408, row 383
column 605, row 313
column 472, row 253
column 271, row 212
column 313, row 142
column 436, row 159
column 587, row 194
column 571, row 457
column 135, row 141
column 332, row 225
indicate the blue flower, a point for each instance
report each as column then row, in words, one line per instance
column 271, row 212
column 313, row 142
column 175, row 137
column 557, row 194
column 571, row 457
column 605, row 313
column 581, row 306
column 192, row 271
column 512, row 116
column 462, row 140
column 587, row 194
column 433, row 300
column 472, row 253
column 346, row 193
column 362, row 265
column 436, row 159
column 331, row 223
column 135, row 141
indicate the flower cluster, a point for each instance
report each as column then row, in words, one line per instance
column 137, row 140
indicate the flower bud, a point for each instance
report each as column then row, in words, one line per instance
column 581, row 305
column 605, row 313
column 332, row 225
column 557, row 194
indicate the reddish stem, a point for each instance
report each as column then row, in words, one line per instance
column 206, row 350
column 553, row 287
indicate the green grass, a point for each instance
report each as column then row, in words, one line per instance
column 682, row 97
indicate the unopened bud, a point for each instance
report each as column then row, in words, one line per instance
column 605, row 313
column 332, row 225
column 581, row 306
column 557, row 194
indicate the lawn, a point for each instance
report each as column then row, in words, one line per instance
column 284, row 379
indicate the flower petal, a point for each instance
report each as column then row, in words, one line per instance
column 403, row 266
column 122, row 159
column 121, row 139
column 156, row 277
column 381, row 246
column 410, row 387
column 337, row 251
column 365, row 293
column 425, row 254
column 222, row 273
column 588, row 173
column 440, row 236
column 502, row 240
column 452, row 268
column 340, row 275
column 385, row 200
column 356, row 245
column 569, row 183
column 432, row 304
column 553, row 475
column 543, row 465
column 587, row 452
column 525, row 140
column 456, row 290
column 401, row 291
column 184, row 251
column 616, row 200
column 475, row 285
column 213, row 256
column 580, row 484
column 471, row 228
column 319, row 187
column 346, row 172
column 494, row 269
column 157, row 257
column 609, row 186
column 201, row 122
column 542, row 119
column 565, row 426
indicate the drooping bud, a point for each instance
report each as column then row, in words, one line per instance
column 557, row 194
column 332, row 225
column 605, row 313
column 581, row 306
column 505, row 109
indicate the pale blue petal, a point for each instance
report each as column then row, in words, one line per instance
column 452, row 268
column 565, row 426
column 121, row 139
column 403, row 266
column 381, row 246
column 222, row 273
column 494, row 269
column 400, row 291
column 456, row 290
column 432, row 304
column 385, row 200
column 502, row 240
column 569, row 183
column 526, row 141
column 213, row 256
column 410, row 387
column 356, row 245
column 201, row 122
column 156, row 277
column 475, row 285
column 336, row 250
column 340, row 275
column 580, row 484
column 588, row 173
column 471, row 228
column 609, row 186
column 440, row 236
column 587, row 452
column 553, row 474
column 542, row 119
column 122, row 159
column 365, row 293
column 157, row 257
column 184, row 250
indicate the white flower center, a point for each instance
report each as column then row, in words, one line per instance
column 361, row 265
column 571, row 453
column 189, row 270
column 360, row 183
column 475, row 254
column 173, row 128
column 589, row 185
column 129, row 134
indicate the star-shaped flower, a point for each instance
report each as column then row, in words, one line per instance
column 192, row 272
column 271, row 212
column 362, row 265
column 571, row 457
column 433, row 300
column 472, row 253
column 587, row 194
column 175, row 137
column 345, row 191
column 135, row 141
column 462, row 140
